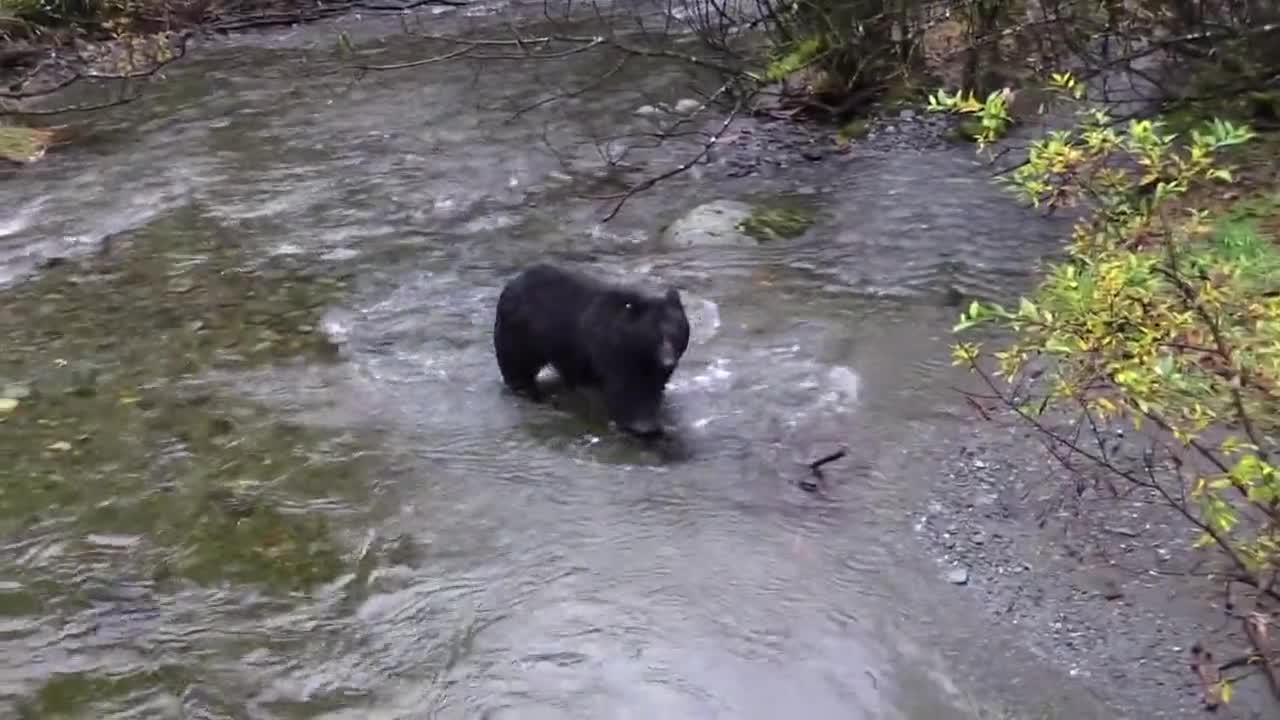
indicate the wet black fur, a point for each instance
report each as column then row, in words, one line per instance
column 595, row 334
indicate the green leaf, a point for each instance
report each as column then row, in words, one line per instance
column 345, row 48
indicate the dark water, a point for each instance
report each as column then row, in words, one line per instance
column 262, row 465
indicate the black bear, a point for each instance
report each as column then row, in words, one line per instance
column 619, row 339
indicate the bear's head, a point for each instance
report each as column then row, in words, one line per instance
column 640, row 343
column 652, row 332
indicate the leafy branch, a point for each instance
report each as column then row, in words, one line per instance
column 1158, row 319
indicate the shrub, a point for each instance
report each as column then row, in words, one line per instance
column 1162, row 316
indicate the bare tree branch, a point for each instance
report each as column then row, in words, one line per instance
column 623, row 197
column 418, row 63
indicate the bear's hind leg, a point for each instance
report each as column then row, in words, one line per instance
column 518, row 364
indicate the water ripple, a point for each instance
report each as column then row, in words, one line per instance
column 514, row 559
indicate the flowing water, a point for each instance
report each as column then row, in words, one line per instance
column 262, row 465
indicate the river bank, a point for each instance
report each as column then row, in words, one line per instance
column 480, row 566
column 1110, row 590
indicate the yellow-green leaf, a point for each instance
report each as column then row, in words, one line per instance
column 1225, row 690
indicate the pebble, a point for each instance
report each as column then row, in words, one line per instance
column 181, row 285
column 686, row 106
column 765, row 147
column 1113, row 593
column 1094, row 620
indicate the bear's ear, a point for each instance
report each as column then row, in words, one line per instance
column 673, row 296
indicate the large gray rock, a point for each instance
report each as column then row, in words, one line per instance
column 716, row 223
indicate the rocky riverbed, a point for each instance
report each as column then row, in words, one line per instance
column 1108, row 588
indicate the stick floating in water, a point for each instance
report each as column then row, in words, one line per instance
column 815, row 467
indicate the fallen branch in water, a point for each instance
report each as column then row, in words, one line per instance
column 90, row 107
column 815, row 468
column 424, row 61
column 816, row 465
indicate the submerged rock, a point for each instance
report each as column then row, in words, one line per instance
column 959, row 576
column 781, row 221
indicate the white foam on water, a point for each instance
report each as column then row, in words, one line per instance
column 21, row 218
column 704, row 319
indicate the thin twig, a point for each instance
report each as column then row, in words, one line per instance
column 572, row 93
column 623, row 197
column 417, row 63
column 75, row 108
column 816, row 465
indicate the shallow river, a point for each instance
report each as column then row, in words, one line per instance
column 262, row 465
